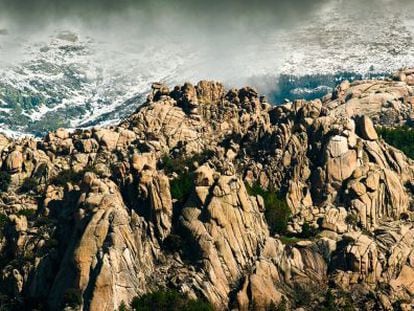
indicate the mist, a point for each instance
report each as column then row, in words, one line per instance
column 229, row 41
column 223, row 39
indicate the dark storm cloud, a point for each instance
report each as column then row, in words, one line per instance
column 35, row 8
column 233, row 12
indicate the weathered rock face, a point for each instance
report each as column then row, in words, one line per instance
column 160, row 201
column 227, row 226
column 385, row 102
column 108, row 245
column 366, row 128
column 14, row 162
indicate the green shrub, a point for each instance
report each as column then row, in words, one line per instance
column 401, row 138
column 277, row 213
column 308, row 232
column 168, row 301
column 4, row 219
column 330, row 302
column 289, row 240
column 303, row 294
column 256, row 189
column 177, row 165
column 5, row 180
column 30, row 184
column 344, row 301
column 404, row 216
column 168, row 164
column 26, row 212
column 277, row 210
column 351, row 219
column 72, row 298
column 123, row 307
column 181, row 187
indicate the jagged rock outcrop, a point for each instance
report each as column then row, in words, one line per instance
column 227, row 226
column 166, row 199
column 111, row 254
column 385, row 102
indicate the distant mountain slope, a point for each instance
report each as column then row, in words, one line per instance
column 63, row 82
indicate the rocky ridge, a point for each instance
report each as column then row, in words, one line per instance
column 101, row 215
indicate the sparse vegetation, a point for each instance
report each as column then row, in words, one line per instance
column 289, row 240
column 169, row 164
column 401, row 138
column 181, row 187
column 339, row 300
column 26, row 212
column 180, row 164
column 303, row 294
column 308, row 232
column 277, row 210
column 5, row 180
column 123, row 307
column 44, row 221
column 168, row 300
column 330, row 302
column 351, row 219
column 3, row 220
column 41, row 171
column 29, row 255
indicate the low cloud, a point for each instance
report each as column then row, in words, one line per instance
column 224, row 39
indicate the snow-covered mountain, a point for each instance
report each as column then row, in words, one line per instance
column 342, row 37
column 64, row 81
column 72, row 78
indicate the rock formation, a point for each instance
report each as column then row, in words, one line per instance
column 164, row 200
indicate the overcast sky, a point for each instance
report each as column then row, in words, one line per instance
column 39, row 10
column 156, row 14
column 228, row 35
column 220, row 28
column 233, row 19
